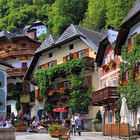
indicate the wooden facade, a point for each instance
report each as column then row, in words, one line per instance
column 116, row 129
column 105, row 96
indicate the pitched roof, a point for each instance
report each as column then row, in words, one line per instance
column 7, row 35
column 49, row 41
column 91, row 38
column 131, row 19
column 11, row 36
column 133, row 11
column 4, row 63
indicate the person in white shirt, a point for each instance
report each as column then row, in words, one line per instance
column 73, row 124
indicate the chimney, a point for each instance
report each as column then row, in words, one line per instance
column 32, row 34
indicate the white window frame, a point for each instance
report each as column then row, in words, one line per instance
column 81, row 54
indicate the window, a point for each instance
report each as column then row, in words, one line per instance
column 10, row 88
column 23, row 46
column 67, row 84
column 114, row 82
column 71, row 47
column 106, row 59
column 81, row 54
column 110, row 117
column 24, row 65
column 50, row 55
column 112, row 56
column 52, row 63
column 103, row 84
column 2, row 80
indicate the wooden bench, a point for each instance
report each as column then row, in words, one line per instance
column 65, row 134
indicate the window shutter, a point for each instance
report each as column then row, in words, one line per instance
column 71, row 56
column 55, row 62
column 36, row 93
column 64, row 59
column 75, row 55
column 129, row 44
column 86, row 52
column 46, row 65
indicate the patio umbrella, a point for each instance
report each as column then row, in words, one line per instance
column 124, row 111
column 60, row 109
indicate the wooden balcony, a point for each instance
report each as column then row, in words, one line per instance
column 16, row 72
column 105, row 96
column 89, row 62
column 5, row 55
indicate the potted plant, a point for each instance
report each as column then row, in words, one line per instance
column 98, row 122
column 21, row 126
column 112, row 64
column 54, row 130
column 50, row 92
column 62, row 90
column 105, row 67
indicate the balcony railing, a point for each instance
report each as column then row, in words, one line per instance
column 16, row 72
column 16, row 53
column 105, row 96
column 89, row 61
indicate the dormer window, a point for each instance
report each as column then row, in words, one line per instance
column 50, row 55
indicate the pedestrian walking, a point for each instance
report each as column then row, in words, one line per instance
column 73, row 125
column 79, row 124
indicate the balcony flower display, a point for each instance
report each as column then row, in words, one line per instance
column 112, row 64
column 62, row 90
column 50, row 92
column 105, row 67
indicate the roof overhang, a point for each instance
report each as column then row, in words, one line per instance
column 124, row 30
column 101, row 51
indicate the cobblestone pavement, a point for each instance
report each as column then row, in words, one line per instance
column 44, row 136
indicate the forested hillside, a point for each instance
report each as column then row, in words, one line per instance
column 58, row 14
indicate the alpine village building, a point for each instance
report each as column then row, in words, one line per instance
column 3, row 87
column 17, row 51
column 129, row 29
column 108, row 59
column 75, row 42
column 107, row 95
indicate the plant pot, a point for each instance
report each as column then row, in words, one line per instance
column 55, row 133
column 21, row 128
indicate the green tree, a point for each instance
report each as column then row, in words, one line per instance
column 63, row 13
column 130, row 60
column 80, row 96
column 117, row 11
column 95, row 17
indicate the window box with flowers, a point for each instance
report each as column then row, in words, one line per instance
column 105, row 67
column 62, row 90
column 112, row 64
column 50, row 92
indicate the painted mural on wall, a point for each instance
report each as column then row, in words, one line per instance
column 2, row 100
column 2, row 93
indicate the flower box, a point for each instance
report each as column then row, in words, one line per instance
column 105, row 67
column 21, row 126
column 50, row 92
column 112, row 64
column 54, row 130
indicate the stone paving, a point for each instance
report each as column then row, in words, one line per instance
column 44, row 136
